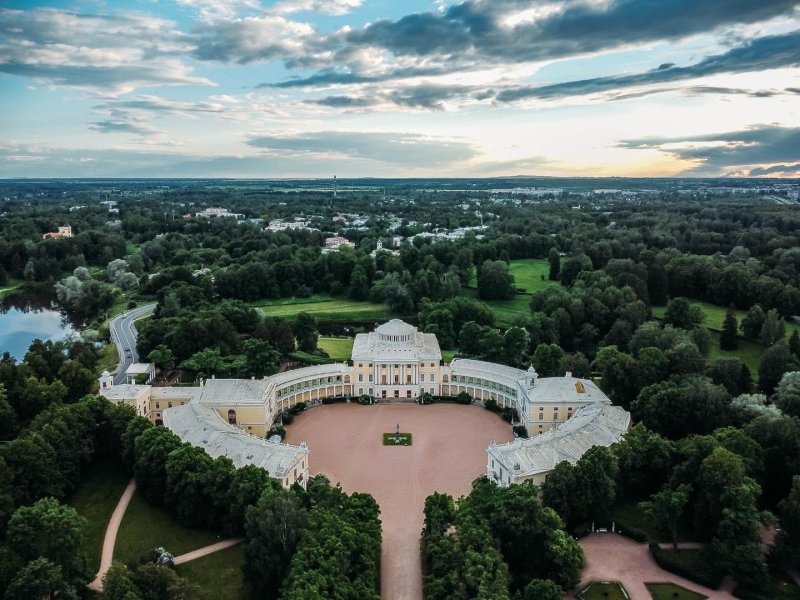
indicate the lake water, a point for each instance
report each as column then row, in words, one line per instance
column 25, row 317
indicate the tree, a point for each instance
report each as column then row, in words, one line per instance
column 156, row 582
column 50, row 530
column 774, row 328
column 38, row 579
column 572, row 267
column 306, row 332
column 547, row 359
column 554, row 259
column 736, row 546
column 359, row 284
column 683, row 314
column 197, row 486
column 685, row 359
column 162, row 357
column 732, row 374
column 753, row 322
column 775, row 361
column 645, row 460
column 152, row 448
column 492, row 344
column 261, row 358
column 118, row 584
column 617, row 371
column 469, row 338
column 515, row 343
column 794, row 343
column 729, row 338
column 666, row 509
column 495, row 282
column 246, row 488
column 274, row 527
column 787, row 544
column 542, row 589
column 721, row 470
column 78, row 379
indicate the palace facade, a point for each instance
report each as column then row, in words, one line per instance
column 396, row 362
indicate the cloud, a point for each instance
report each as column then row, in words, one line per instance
column 718, row 153
column 107, row 54
column 782, row 170
column 481, row 33
column 770, row 52
column 123, row 122
column 400, row 149
column 212, row 10
column 343, row 102
column 252, row 39
column 424, row 97
column 223, row 106
column 329, row 7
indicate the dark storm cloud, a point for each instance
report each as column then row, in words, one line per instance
column 758, row 145
column 775, row 170
column 343, row 102
column 471, row 34
column 402, row 149
column 769, row 52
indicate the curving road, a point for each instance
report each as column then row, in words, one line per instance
column 123, row 334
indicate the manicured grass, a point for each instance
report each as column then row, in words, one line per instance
column 10, row 287
column 749, row 353
column 218, row 575
column 95, row 499
column 668, row 591
column 610, row 590
column 405, row 439
column 714, row 315
column 324, row 308
column 339, row 349
column 506, row 312
column 145, row 527
column 448, row 355
column 528, row 273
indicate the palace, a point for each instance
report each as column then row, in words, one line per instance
column 565, row 416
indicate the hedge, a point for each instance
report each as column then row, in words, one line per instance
column 697, row 570
column 629, row 531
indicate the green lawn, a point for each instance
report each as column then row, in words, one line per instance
column 749, row 353
column 528, row 273
column 109, row 358
column 448, row 355
column 339, row 349
column 95, row 499
column 667, row 591
column 714, row 315
column 218, row 575
column 324, row 308
column 10, row 287
column 506, row 312
column 610, row 590
column 146, row 527
column 406, row 439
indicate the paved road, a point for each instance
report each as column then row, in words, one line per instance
column 123, row 334
column 111, row 536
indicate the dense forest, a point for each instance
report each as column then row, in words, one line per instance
column 679, row 297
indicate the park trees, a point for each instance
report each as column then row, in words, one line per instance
column 50, row 530
column 151, row 451
column 729, row 337
column 681, row 406
column 494, row 281
column 775, row 361
column 645, row 460
column 753, row 322
column 306, row 332
column 547, row 359
column 554, row 260
column 197, row 486
column 683, row 314
column 666, row 509
column 273, row 526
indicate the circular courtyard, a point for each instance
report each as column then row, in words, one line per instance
column 447, row 453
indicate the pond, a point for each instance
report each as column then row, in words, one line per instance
column 27, row 316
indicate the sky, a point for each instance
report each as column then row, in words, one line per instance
column 399, row 88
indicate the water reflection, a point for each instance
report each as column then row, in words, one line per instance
column 30, row 315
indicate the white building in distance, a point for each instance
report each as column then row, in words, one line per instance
column 565, row 416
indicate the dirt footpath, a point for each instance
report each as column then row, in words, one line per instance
column 448, row 452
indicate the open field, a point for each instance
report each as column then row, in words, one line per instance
column 345, row 443
column 668, row 591
column 749, row 353
column 339, row 349
column 218, row 575
column 506, row 312
column 146, row 527
column 95, row 499
column 324, row 308
column 527, row 274
column 714, row 315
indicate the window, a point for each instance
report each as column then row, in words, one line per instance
column 360, row 365
column 232, row 417
column 169, row 404
column 422, row 377
column 408, row 393
column 360, row 377
column 360, row 390
column 370, row 377
column 431, row 365
column 541, row 417
column 408, row 378
column 431, row 390
column 433, row 377
column 157, row 406
column 383, row 379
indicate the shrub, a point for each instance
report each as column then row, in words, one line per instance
column 508, row 414
column 426, row 398
column 287, row 418
column 132, row 304
column 365, row 399
column 464, row 398
column 277, row 430
column 334, row 400
column 520, row 431
column 690, row 564
column 631, row 532
column 491, row 405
